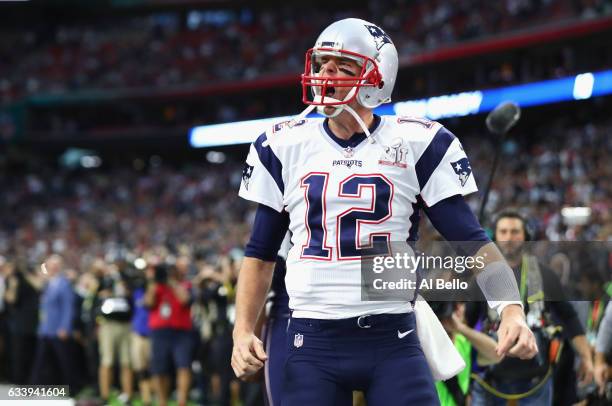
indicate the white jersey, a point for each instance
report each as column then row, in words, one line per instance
column 345, row 202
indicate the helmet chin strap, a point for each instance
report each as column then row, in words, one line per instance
column 337, row 110
column 361, row 123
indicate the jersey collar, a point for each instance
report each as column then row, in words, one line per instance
column 356, row 139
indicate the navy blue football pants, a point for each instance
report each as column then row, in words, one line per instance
column 327, row 359
column 275, row 339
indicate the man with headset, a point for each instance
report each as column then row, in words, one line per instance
column 537, row 282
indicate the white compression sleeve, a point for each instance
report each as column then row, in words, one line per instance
column 499, row 286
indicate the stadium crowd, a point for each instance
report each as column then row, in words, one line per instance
column 106, row 234
column 210, row 46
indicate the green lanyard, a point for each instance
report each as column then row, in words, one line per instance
column 593, row 322
column 524, row 272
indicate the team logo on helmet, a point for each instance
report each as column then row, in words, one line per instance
column 380, row 37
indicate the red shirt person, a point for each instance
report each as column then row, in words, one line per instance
column 169, row 297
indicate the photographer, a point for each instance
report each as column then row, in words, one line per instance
column 214, row 286
column 114, row 328
column 454, row 391
column 22, row 299
column 530, row 381
column 141, row 340
column 169, row 299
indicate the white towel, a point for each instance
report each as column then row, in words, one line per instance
column 442, row 356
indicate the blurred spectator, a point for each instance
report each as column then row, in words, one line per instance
column 195, row 47
column 168, row 295
column 471, row 345
column 560, row 264
column 141, row 341
column 4, row 332
column 596, row 290
column 603, row 351
column 22, row 299
column 215, row 287
column 114, row 329
column 86, row 289
column 7, row 270
column 594, row 287
column 54, row 350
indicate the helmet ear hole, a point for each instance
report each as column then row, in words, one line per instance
column 381, row 84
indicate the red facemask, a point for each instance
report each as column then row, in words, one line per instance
column 320, row 85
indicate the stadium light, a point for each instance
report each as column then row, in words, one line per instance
column 576, row 216
column 578, row 87
column 583, row 86
column 240, row 132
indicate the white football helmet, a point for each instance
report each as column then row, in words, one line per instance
column 369, row 46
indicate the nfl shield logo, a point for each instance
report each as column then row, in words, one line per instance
column 298, row 340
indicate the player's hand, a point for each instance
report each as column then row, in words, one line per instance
column 514, row 336
column 248, row 355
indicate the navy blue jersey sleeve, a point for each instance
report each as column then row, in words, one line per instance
column 267, row 235
column 454, row 220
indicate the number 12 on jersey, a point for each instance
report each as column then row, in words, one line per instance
column 349, row 221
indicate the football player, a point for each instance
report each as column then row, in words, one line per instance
column 346, row 186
